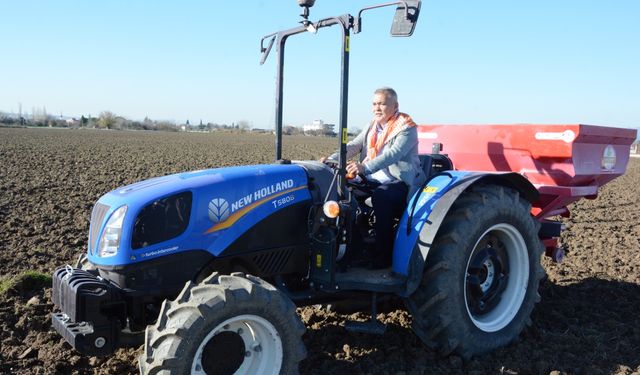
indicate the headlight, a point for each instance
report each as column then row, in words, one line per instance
column 331, row 209
column 110, row 239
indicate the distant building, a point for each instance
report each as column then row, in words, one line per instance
column 72, row 121
column 318, row 127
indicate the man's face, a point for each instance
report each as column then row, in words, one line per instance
column 383, row 108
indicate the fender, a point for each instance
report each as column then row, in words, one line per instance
column 428, row 208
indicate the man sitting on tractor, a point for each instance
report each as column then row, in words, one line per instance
column 389, row 162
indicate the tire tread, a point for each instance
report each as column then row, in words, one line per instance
column 436, row 316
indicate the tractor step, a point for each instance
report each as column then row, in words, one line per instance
column 383, row 280
column 373, row 325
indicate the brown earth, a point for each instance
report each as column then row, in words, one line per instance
column 587, row 322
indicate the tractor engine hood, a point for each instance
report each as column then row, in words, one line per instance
column 202, row 210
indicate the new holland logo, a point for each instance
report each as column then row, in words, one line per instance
column 218, row 210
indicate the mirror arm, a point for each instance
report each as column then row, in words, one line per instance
column 357, row 23
column 325, row 22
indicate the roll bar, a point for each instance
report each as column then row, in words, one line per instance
column 404, row 21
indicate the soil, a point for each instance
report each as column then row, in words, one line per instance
column 586, row 323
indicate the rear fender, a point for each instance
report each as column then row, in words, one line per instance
column 428, row 208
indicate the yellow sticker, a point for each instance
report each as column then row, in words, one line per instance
column 345, row 136
column 346, row 43
column 430, row 189
column 318, row 260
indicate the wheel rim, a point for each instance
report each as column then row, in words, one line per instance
column 245, row 344
column 497, row 276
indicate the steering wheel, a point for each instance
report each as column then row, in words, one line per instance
column 331, row 163
column 362, row 185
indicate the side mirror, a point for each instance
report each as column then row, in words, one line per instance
column 404, row 21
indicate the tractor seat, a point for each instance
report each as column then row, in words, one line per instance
column 433, row 164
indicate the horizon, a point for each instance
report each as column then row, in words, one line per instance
column 219, row 126
column 495, row 62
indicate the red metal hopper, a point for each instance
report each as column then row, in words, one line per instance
column 565, row 162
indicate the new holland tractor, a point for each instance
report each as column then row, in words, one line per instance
column 205, row 268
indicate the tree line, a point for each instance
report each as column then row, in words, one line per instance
column 109, row 120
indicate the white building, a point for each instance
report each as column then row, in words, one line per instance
column 318, row 127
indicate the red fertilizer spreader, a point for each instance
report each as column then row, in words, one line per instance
column 564, row 162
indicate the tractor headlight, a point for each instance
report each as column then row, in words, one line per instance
column 110, row 239
column 331, row 209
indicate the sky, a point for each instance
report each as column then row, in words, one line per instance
column 481, row 62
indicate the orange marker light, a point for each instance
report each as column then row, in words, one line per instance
column 331, row 209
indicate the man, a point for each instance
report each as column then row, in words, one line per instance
column 388, row 149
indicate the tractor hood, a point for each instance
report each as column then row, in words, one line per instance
column 201, row 210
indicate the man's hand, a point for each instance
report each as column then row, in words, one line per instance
column 354, row 169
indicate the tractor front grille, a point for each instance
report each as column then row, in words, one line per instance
column 97, row 217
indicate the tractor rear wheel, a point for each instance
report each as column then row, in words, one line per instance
column 481, row 276
column 227, row 324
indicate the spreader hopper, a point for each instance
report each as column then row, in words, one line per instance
column 565, row 162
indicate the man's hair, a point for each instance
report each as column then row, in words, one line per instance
column 388, row 93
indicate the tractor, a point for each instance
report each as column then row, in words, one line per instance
column 205, row 268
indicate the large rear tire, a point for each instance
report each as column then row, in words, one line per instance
column 227, row 324
column 481, row 276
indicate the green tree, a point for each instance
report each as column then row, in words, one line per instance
column 107, row 120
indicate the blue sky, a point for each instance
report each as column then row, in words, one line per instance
column 544, row 61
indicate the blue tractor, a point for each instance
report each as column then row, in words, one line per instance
column 205, row 268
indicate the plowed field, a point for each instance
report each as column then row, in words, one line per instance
column 587, row 323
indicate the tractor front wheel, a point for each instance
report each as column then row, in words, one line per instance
column 227, row 324
column 482, row 274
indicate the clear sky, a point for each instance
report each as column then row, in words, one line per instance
column 543, row 61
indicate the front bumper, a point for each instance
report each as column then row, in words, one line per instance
column 92, row 311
